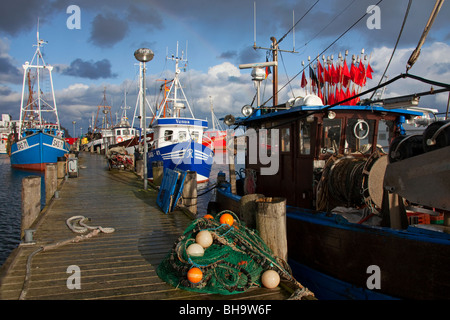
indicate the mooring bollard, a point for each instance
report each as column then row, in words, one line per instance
column 189, row 193
column 61, row 167
column 271, row 224
column 158, row 172
column 51, row 181
column 248, row 209
column 31, row 201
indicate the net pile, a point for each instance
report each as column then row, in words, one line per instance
column 232, row 264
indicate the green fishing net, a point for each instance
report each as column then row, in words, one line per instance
column 232, row 264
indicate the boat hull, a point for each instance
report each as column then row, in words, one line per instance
column 337, row 259
column 33, row 152
column 186, row 156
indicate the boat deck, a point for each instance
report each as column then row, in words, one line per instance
column 118, row 265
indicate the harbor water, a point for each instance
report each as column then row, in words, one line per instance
column 11, row 205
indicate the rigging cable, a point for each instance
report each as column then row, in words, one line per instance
column 281, row 39
column 329, row 46
column 395, row 47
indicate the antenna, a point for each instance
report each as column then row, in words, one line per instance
column 254, row 24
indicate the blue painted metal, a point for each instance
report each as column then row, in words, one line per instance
column 167, row 189
column 35, row 150
column 185, row 156
column 179, row 187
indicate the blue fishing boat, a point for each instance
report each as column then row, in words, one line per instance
column 367, row 207
column 39, row 140
column 179, row 141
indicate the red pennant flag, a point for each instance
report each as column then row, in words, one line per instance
column 362, row 74
column 319, row 72
column 369, row 71
column 353, row 73
column 346, row 74
column 304, row 82
column 331, row 98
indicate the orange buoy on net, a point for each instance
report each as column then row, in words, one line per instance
column 195, row 275
column 208, row 216
column 226, row 218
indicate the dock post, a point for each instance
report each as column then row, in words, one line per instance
column 51, row 181
column 158, row 172
column 31, row 201
column 271, row 224
column 61, row 167
column 189, row 194
column 248, row 209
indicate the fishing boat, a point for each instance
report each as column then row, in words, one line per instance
column 38, row 141
column 6, row 129
column 367, row 206
column 178, row 141
column 216, row 134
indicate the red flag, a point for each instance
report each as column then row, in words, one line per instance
column 319, row 72
column 267, row 70
column 335, row 74
column 331, row 99
column 362, row 74
column 369, row 71
column 346, row 74
column 304, row 82
column 353, row 73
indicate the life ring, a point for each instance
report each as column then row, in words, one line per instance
column 119, row 139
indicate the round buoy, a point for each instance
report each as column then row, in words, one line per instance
column 226, row 218
column 204, row 238
column 208, row 216
column 270, row 279
column 195, row 275
column 195, row 250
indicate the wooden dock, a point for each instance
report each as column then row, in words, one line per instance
column 118, row 265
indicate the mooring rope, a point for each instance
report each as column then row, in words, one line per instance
column 82, row 228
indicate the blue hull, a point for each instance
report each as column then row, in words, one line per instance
column 186, row 156
column 33, row 152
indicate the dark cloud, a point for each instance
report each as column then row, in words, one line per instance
column 231, row 54
column 9, row 72
column 89, row 69
column 107, row 30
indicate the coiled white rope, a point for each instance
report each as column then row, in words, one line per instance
column 77, row 224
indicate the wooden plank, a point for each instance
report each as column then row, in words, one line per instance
column 118, row 265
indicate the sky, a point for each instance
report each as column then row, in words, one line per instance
column 215, row 37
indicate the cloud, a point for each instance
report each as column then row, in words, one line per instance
column 9, row 73
column 107, row 30
column 89, row 69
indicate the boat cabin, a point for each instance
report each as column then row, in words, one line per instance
column 168, row 131
column 300, row 144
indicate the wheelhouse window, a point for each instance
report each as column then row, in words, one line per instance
column 331, row 135
column 195, row 135
column 168, row 135
column 304, row 138
column 285, row 140
column 182, row 136
column 359, row 135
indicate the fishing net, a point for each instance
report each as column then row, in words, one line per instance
column 232, row 264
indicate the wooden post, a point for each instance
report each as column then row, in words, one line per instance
column 189, row 193
column 140, row 168
column 158, row 172
column 248, row 209
column 232, row 167
column 61, row 167
column 51, row 181
column 31, row 201
column 271, row 224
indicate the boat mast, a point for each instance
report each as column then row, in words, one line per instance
column 40, row 102
column 177, row 105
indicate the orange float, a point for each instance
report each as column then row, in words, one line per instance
column 195, row 275
column 208, row 216
column 226, row 218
